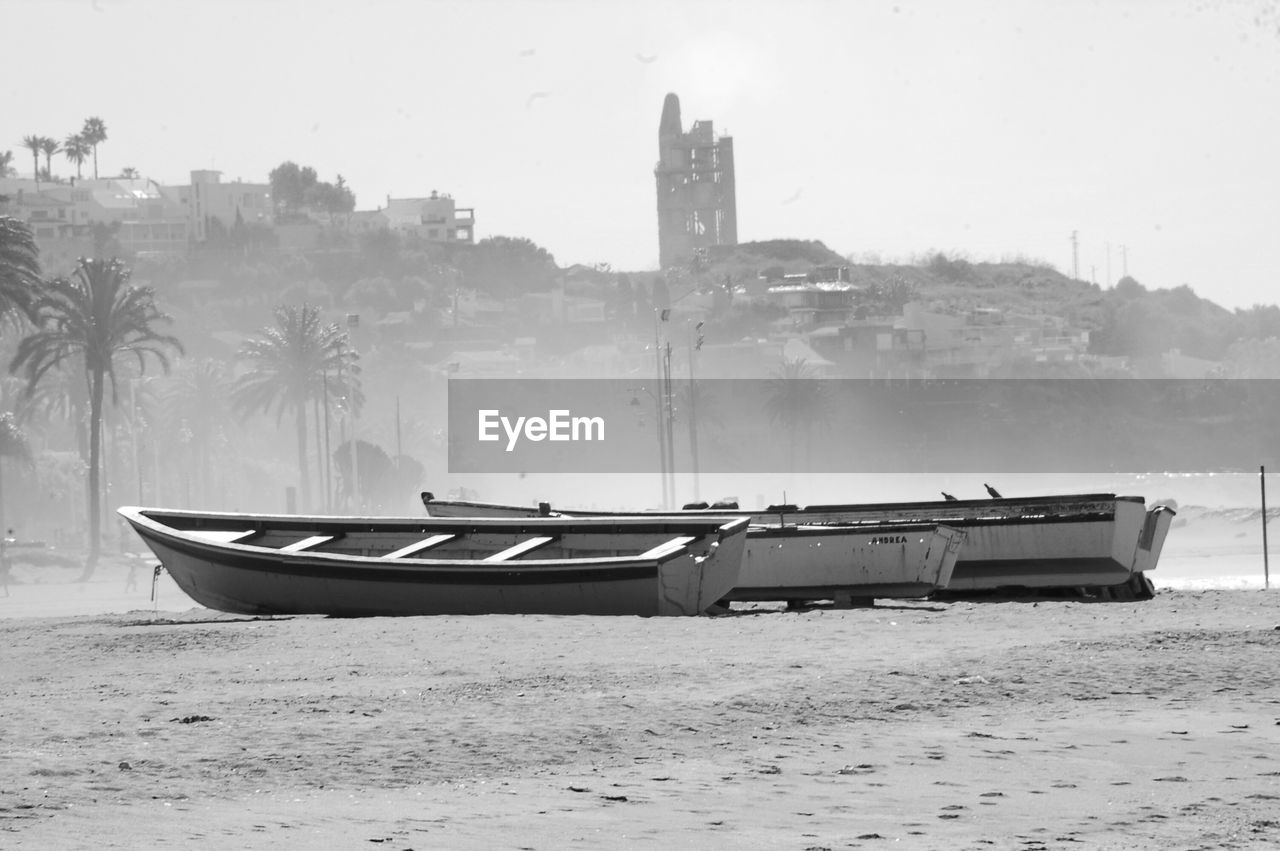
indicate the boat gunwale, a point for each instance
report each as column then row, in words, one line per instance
column 761, row 530
column 948, row 512
column 191, row 538
column 816, row 508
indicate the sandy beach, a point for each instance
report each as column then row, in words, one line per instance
column 1049, row 724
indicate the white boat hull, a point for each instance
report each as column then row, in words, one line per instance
column 825, row 563
column 1088, row 540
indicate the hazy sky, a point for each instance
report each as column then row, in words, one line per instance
column 991, row 128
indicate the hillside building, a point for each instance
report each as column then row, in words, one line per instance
column 207, row 199
column 142, row 215
column 435, row 219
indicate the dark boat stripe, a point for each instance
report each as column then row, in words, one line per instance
column 481, row 574
column 997, row 568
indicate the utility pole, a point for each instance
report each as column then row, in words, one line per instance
column 694, row 346
column 659, row 398
column 1124, row 260
column 353, row 322
column 1075, row 256
column 328, row 469
column 671, row 417
column 1266, row 561
column 1107, row 282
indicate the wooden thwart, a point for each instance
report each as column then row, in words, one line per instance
column 306, row 543
column 420, row 546
column 673, row 544
column 520, row 549
column 224, row 537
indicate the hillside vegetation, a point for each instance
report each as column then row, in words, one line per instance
column 1125, row 320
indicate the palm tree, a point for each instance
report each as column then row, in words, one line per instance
column 797, row 401
column 33, row 144
column 19, row 268
column 97, row 316
column 13, row 444
column 129, row 173
column 291, row 364
column 50, row 147
column 6, row 163
column 94, row 133
column 77, row 150
column 196, row 405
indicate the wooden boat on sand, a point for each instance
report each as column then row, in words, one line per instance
column 846, row 564
column 356, row 566
column 801, row 561
column 1098, row 543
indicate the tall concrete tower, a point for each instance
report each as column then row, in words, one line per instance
column 697, row 206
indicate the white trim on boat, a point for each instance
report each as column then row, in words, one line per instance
column 663, row 549
column 419, row 546
column 306, row 543
column 222, row 537
column 520, row 548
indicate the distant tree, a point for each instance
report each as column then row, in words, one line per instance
column 1252, row 359
column 94, row 318
column 1259, row 322
column 503, row 265
column 798, row 402
column 885, row 298
column 951, row 269
column 384, row 481
column 290, row 184
column 307, row 291
column 200, row 397
column 59, row 397
column 13, row 445
column 1128, row 287
column 94, row 134
column 372, row 294
column 129, row 172
column 292, row 364
column 49, row 146
column 76, row 150
column 6, row 163
column 334, row 200
column 35, row 145
column 105, row 238
column 19, row 269
column 380, row 249
column 295, row 188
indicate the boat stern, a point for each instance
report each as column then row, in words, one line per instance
column 685, row 591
